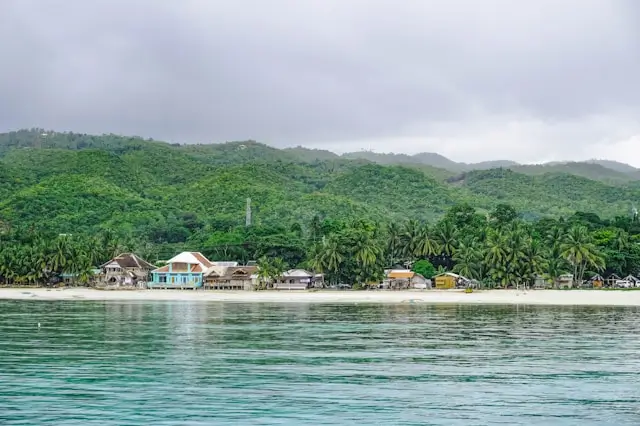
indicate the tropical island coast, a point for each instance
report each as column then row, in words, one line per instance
column 105, row 212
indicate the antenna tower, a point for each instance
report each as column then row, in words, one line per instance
column 248, row 213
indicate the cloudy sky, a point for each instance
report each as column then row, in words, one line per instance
column 474, row 80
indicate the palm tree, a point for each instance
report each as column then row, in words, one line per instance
column 394, row 243
column 496, row 256
column 411, row 239
column 580, row 252
column 264, row 273
column 621, row 242
column 534, row 260
column 327, row 257
column 427, row 244
column 446, row 236
column 468, row 261
column 515, row 260
column 61, row 254
column 332, row 256
column 367, row 252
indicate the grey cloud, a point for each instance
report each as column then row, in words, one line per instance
column 318, row 71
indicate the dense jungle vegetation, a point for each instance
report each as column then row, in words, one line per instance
column 71, row 201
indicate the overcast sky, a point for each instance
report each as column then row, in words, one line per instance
column 474, row 80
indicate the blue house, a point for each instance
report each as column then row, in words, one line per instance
column 185, row 270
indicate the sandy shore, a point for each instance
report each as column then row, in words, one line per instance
column 536, row 297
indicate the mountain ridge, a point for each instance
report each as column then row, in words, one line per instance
column 174, row 194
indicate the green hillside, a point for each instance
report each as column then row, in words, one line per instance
column 169, row 193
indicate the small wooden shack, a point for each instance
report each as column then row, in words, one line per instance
column 398, row 278
column 596, row 281
column 449, row 280
column 564, row 281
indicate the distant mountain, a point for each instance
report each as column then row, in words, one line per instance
column 427, row 158
column 589, row 170
column 486, row 165
column 615, row 165
column 607, row 171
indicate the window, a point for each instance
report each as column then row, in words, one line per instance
column 162, row 278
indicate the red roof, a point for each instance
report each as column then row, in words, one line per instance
column 181, row 268
column 202, row 259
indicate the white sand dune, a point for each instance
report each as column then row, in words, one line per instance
column 534, row 297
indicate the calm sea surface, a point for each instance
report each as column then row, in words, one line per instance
column 186, row 363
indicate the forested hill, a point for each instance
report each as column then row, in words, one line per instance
column 172, row 194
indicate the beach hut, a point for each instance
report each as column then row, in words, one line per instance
column 449, row 280
column 633, row 280
column 596, row 281
column 612, row 280
column 398, row 278
column 294, row 279
column 564, row 281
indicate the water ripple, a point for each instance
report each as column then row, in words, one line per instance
column 186, row 363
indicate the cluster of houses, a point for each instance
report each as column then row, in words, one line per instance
column 192, row 270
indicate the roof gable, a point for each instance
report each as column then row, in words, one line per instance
column 129, row 260
column 192, row 258
column 297, row 273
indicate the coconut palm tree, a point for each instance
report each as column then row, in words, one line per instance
column 264, row 273
column 411, row 239
column 427, row 244
column 327, row 257
column 468, row 261
column 394, row 243
column 446, row 236
column 580, row 252
column 534, row 260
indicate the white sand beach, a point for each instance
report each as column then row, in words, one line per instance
column 533, row 297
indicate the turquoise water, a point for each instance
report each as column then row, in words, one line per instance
column 155, row 363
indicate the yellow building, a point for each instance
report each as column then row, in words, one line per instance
column 448, row 280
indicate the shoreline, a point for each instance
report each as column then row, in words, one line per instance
column 501, row 297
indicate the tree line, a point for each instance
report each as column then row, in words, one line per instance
column 499, row 248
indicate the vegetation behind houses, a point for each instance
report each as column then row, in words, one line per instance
column 346, row 215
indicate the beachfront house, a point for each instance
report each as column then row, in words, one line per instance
column 230, row 276
column 126, row 269
column 398, row 279
column 186, row 270
column 295, row 279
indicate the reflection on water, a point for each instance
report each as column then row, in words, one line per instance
column 187, row 363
